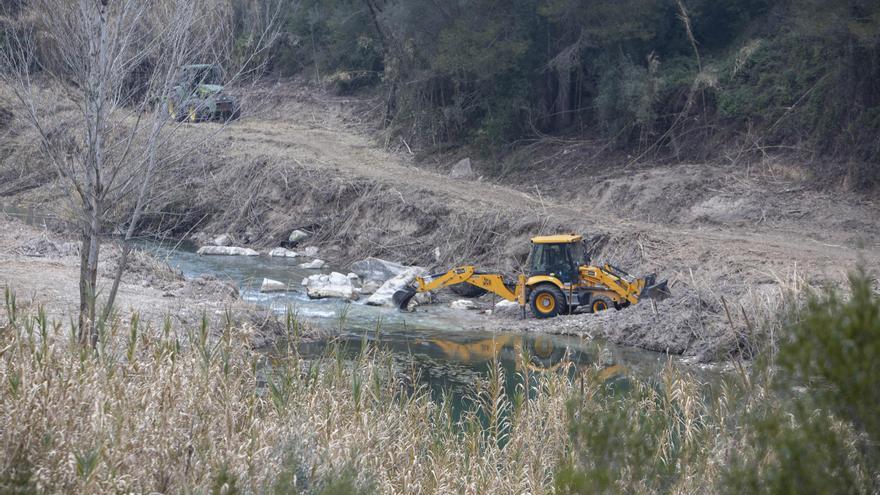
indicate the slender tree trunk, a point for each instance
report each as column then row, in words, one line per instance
column 92, row 275
column 563, row 98
column 96, row 105
column 84, row 291
column 135, row 219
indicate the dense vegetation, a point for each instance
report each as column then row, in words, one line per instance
column 652, row 79
column 657, row 78
column 176, row 410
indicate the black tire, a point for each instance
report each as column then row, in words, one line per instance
column 465, row 289
column 547, row 301
column 600, row 303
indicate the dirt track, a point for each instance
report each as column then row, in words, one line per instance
column 724, row 236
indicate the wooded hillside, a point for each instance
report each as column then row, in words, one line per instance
column 660, row 79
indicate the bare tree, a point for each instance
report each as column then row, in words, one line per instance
column 113, row 63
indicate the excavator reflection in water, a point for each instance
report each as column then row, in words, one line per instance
column 539, row 353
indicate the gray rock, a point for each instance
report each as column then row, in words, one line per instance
column 296, row 237
column 508, row 308
column 313, row 265
column 370, row 287
column 462, row 170
column 43, row 247
column 227, row 251
column 504, row 303
column 280, row 252
column 424, row 298
column 270, row 285
column 200, row 238
column 334, row 285
column 377, row 269
column 223, row 240
column 463, row 304
column 382, row 296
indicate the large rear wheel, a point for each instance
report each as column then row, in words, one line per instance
column 547, row 301
column 600, row 303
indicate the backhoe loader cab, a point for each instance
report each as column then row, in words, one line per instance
column 558, row 256
column 561, row 278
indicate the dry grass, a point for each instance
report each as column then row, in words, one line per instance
column 151, row 411
column 179, row 410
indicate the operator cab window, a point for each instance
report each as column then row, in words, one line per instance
column 553, row 258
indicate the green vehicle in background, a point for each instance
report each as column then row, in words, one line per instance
column 199, row 96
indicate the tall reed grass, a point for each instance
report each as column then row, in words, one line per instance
column 168, row 410
column 175, row 410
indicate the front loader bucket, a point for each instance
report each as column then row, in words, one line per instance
column 402, row 297
column 657, row 292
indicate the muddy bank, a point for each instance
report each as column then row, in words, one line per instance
column 41, row 269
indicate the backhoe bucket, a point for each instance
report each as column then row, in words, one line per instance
column 402, row 297
column 657, row 292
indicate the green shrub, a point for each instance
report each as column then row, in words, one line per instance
column 625, row 97
column 642, row 440
column 820, row 433
column 835, row 349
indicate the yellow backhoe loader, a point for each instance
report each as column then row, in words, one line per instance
column 561, row 279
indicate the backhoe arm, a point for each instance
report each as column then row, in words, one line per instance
column 492, row 282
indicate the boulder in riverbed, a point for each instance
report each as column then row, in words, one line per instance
column 227, row 251
column 370, row 287
column 333, row 285
column 463, row 304
column 270, row 285
column 280, row 252
column 223, row 240
column 382, row 297
column 508, row 308
column 296, row 237
column 314, row 265
column 376, row 269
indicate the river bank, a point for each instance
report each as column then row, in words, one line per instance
column 41, row 268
